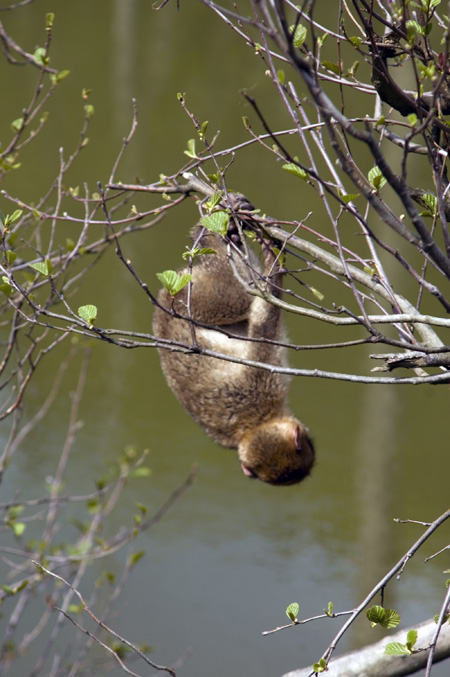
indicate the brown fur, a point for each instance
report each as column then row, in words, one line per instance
column 240, row 407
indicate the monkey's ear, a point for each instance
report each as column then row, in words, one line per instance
column 298, row 438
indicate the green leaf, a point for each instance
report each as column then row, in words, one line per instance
column 75, row 608
column 318, row 294
column 6, row 289
column 135, row 557
column 18, row 528
column 333, row 67
column 41, row 57
column 14, row 511
column 392, row 619
column 411, row 638
column 213, row 201
column 49, row 19
column 190, row 152
column 397, row 649
column 431, row 202
column 12, row 218
column 140, row 472
column 446, row 617
column 17, row 124
column 281, row 76
column 57, row 77
column 216, row 222
column 294, row 169
column 376, row 178
column 413, row 29
column 348, row 197
column 292, row 611
column 42, row 267
column 321, row 666
column 298, row 34
column 173, row 281
column 387, row 618
column 355, row 40
column 203, row 129
column 88, row 313
column 198, row 251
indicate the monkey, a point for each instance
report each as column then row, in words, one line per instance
column 241, row 407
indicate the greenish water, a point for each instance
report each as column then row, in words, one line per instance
column 231, row 555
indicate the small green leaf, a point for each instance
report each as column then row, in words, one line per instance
column 431, row 202
column 376, row 178
column 333, row 67
column 12, row 218
column 321, row 666
column 294, row 169
column 57, row 77
column 355, row 40
column 173, row 281
column 18, row 528
column 292, row 611
column 134, row 558
column 348, row 197
column 413, row 29
column 281, row 76
column 411, row 638
column 17, row 124
column 413, row 119
column 446, row 617
column 6, row 288
column 89, row 110
column 213, row 201
column 387, row 618
column 14, row 511
column 397, row 649
column 190, row 152
column 318, row 294
column 75, row 608
column 203, row 129
column 88, row 313
column 140, row 472
column 49, row 19
column 42, row 267
column 198, row 251
column 41, row 57
column 216, row 222
column 298, row 34
column 10, row 256
column 329, row 609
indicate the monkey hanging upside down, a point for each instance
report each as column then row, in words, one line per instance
column 240, row 407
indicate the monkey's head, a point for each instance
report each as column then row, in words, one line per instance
column 279, row 451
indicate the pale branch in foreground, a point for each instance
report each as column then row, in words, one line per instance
column 371, row 661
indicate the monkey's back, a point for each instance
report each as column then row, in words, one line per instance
column 224, row 397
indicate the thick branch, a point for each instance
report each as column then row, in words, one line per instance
column 371, row 661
